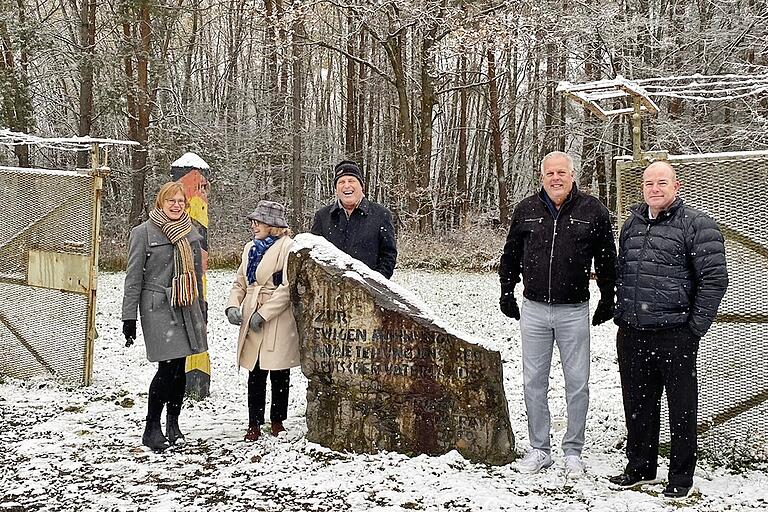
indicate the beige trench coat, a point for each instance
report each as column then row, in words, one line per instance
column 276, row 344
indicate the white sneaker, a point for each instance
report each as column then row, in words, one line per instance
column 574, row 466
column 534, row 461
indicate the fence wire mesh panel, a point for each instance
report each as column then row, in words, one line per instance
column 47, row 270
column 733, row 356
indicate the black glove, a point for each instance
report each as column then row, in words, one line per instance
column 256, row 321
column 234, row 316
column 508, row 306
column 603, row 312
column 129, row 331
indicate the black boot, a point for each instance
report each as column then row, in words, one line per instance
column 153, row 436
column 172, row 430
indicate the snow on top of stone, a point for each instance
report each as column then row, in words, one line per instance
column 190, row 160
column 323, row 251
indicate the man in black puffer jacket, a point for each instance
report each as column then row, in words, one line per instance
column 553, row 239
column 671, row 279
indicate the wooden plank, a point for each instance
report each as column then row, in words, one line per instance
column 58, row 270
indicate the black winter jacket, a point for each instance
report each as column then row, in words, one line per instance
column 368, row 234
column 671, row 269
column 555, row 256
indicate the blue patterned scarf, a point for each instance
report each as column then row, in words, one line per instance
column 255, row 255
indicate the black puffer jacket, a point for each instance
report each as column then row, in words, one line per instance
column 367, row 235
column 556, row 263
column 671, row 269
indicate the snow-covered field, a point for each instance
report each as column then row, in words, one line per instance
column 80, row 448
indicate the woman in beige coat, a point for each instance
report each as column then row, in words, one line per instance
column 260, row 304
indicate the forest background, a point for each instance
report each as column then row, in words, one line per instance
column 448, row 105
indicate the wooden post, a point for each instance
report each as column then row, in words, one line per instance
column 192, row 172
column 97, row 172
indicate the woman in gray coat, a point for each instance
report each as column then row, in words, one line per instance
column 164, row 281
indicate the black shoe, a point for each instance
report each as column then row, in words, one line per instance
column 626, row 481
column 172, row 430
column 677, row 491
column 153, row 436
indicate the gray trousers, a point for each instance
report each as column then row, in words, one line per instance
column 541, row 325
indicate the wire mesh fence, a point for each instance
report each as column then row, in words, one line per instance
column 47, row 273
column 732, row 364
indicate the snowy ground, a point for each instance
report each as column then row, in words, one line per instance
column 80, row 449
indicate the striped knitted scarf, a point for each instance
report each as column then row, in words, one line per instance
column 184, row 284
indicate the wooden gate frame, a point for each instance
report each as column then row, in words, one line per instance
column 98, row 171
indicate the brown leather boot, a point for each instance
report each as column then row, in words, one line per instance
column 277, row 427
column 254, row 431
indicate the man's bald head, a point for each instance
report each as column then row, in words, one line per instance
column 660, row 186
column 662, row 165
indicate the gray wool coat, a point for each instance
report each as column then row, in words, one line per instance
column 169, row 332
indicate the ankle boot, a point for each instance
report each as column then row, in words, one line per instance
column 254, row 431
column 277, row 427
column 153, row 436
column 172, row 430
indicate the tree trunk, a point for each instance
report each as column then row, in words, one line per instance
column 590, row 147
column 88, row 49
column 561, row 99
column 186, row 91
column 428, row 101
column 462, row 205
column 140, row 126
column 362, row 87
column 537, row 151
column 14, row 86
column 232, row 70
column 550, row 123
column 350, row 110
column 297, row 90
column 272, row 85
column 283, row 89
column 493, row 94
column 394, row 49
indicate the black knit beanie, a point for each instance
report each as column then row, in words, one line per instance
column 347, row 168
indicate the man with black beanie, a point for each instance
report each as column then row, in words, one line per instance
column 359, row 227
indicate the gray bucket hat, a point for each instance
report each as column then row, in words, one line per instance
column 270, row 213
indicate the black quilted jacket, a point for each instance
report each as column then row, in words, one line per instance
column 555, row 257
column 671, row 270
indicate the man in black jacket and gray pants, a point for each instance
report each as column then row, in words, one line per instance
column 359, row 227
column 553, row 239
column 671, row 279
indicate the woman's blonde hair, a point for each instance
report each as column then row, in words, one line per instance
column 167, row 191
column 280, row 232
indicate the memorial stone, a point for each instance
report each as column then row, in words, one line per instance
column 383, row 373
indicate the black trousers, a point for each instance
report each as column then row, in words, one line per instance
column 649, row 363
column 257, row 394
column 167, row 387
